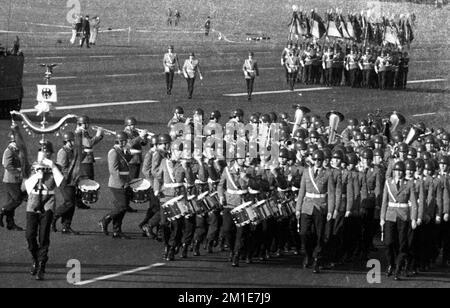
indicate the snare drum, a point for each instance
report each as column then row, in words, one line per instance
column 196, row 206
column 273, row 208
column 176, row 208
column 260, row 213
column 140, row 190
column 212, row 202
column 88, row 190
column 286, row 208
column 241, row 215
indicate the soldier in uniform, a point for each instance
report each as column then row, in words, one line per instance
column 88, row 143
column 288, row 49
column 398, row 218
column 170, row 63
column 381, row 70
column 250, row 69
column 191, row 68
column 12, row 179
column 66, row 161
column 40, row 187
column 85, row 32
column 136, row 141
column 327, row 62
column 366, row 64
column 118, row 183
column 233, row 190
column 337, row 66
column 315, row 206
column 444, row 210
column 292, row 66
column 178, row 117
column 403, row 71
column 307, row 63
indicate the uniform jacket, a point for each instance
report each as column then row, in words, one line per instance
column 156, row 168
column 337, row 179
column 371, row 190
column 292, row 64
column 170, row 62
column 231, row 182
column 191, row 68
column 429, row 210
column 250, row 68
column 147, row 166
column 64, row 160
column 325, row 186
column 88, row 143
column 348, row 191
column 13, row 167
column 136, row 143
column 405, row 195
column 118, row 166
column 172, row 178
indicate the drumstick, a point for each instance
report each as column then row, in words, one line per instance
column 298, row 225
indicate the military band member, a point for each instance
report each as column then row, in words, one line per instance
column 250, row 69
column 315, row 206
column 118, row 183
column 66, row 161
column 403, row 71
column 170, row 63
column 292, row 66
column 351, row 65
column 381, row 68
column 40, row 187
column 327, row 62
column 12, row 180
column 88, row 143
column 136, row 141
column 178, row 117
column 337, row 66
column 398, row 218
column 191, row 68
column 288, row 49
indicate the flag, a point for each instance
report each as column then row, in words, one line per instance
column 303, row 26
column 293, row 24
column 333, row 28
column 317, row 26
column 343, row 28
column 391, row 36
column 409, row 35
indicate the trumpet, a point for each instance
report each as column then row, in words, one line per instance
column 140, row 131
column 106, row 131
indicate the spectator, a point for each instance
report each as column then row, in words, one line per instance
column 177, row 17
column 169, row 17
column 207, row 26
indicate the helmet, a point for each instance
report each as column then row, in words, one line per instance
column 353, row 122
column 163, row 139
column 370, row 144
column 199, row 112
column 47, row 146
column 254, row 119
column 429, row 139
column 314, row 118
column 301, row 146
column 265, row 118
column 412, row 152
column 68, row 136
column 292, row 155
column 405, row 131
column 312, row 148
column 397, row 136
column 421, row 148
column 284, row 134
column 400, row 166
column 284, row 153
column 378, row 139
column 121, row 136
column 179, row 110
column 237, row 113
column 446, row 136
column 421, row 127
column 443, row 160
column 83, row 120
column 284, row 116
column 314, row 134
column 349, row 149
column 326, row 153
column 154, row 140
column 378, row 152
column 429, row 165
column 359, row 136
column 301, row 133
column 215, row 115
column 403, row 148
column 273, row 117
column 338, row 154
column 410, row 164
column 318, row 155
column 130, row 121
column 366, row 130
column 426, row 155
column 367, row 154
column 364, row 122
column 420, row 163
column 352, row 159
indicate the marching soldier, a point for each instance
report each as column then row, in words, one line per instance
column 403, row 71
column 351, row 65
column 232, row 190
column 12, row 179
column 118, row 183
column 250, row 69
column 178, row 117
column 170, row 63
column 136, row 140
column 315, row 206
column 398, row 218
column 191, row 68
column 40, row 207
column 66, row 161
column 366, row 64
column 292, row 64
column 337, row 66
column 381, row 70
column 307, row 61
column 327, row 62
column 288, row 49
column 88, row 143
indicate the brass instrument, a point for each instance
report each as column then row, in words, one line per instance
column 334, row 117
column 106, row 131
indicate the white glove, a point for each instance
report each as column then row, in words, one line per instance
column 329, row 216
column 382, row 223
column 413, row 224
column 446, row 217
column 347, row 214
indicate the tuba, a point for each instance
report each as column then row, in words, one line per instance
column 299, row 114
column 334, row 118
column 396, row 119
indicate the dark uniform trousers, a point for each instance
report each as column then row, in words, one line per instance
column 367, row 213
column 169, row 79
column 367, row 78
column 352, row 232
column 445, row 238
column 152, row 217
column 327, row 76
column 233, row 235
column 14, row 198
column 67, row 209
column 308, row 77
column 188, row 229
column 337, row 76
column 353, row 78
column 87, row 171
column 38, row 234
column 312, row 233
column 121, row 203
column 382, row 82
column 250, row 82
column 334, row 237
column 399, row 235
column 292, row 77
column 172, row 230
column 190, row 84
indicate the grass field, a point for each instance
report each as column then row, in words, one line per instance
column 116, row 72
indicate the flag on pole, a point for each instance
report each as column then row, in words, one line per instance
column 317, row 27
column 333, row 28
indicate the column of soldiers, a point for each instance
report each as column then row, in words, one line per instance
column 356, row 67
column 347, row 193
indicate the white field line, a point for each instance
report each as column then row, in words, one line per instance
column 279, row 91
column 423, row 114
column 95, row 105
column 106, row 277
column 426, row 80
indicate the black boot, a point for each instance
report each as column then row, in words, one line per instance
column 184, row 250
column 235, row 262
column 14, row 227
column 196, row 248
column 171, row 254
column 69, row 230
column 210, row 246
column 41, row 271
column 104, row 224
column 120, row 235
column 316, row 266
column 306, row 262
column 55, row 219
column 390, row 271
column 34, row 268
column 2, row 214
